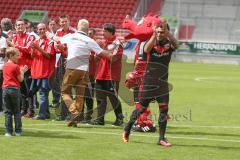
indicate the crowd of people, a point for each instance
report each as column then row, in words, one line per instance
column 76, row 66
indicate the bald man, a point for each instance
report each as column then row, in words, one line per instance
column 43, row 55
column 79, row 46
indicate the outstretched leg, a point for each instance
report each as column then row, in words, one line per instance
column 135, row 114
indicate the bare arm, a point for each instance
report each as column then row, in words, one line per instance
column 173, row 40
column 149, row 45
column 20, row 77
column 106, row 54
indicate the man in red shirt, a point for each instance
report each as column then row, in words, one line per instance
column 65, row 29
column 42, row 68
column 108, row 73
column 21, row 41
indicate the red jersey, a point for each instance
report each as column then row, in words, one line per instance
column 43, row 67
column 106, row 70
column 92, row 64
column 22, row 42
column 60, row 33
column 10, row 73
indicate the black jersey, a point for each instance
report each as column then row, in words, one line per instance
column 158, row 60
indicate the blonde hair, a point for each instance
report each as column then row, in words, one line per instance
column 83, row 25
column 11, row 51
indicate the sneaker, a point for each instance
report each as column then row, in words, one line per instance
column 164, row 143
column 125, row 136
column 73, row 121
column 18, row 134
column 23, row 113
column 29, row 115
column 37, row 117
column 86, row 121
column 72, row 124
column 7, row 135
column 118, row 122
column 136, row 128
column 96, row 122
column 59, row 118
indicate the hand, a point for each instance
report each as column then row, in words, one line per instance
column 24, row 68
column 10, row 35
column 56, row 38
column 61, row 47
column 10, row 43
column 49, row 35
column 96, row 58
column 33, row 45
column 154, row 28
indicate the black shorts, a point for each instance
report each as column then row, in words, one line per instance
column 154, row 89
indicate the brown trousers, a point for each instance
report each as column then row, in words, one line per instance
column 74, row 80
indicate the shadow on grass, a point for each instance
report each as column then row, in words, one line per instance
column 203, row 133
column 207, row 146
column 189, row 146
column 42, row 134
column 45, row 134
column 108, row 125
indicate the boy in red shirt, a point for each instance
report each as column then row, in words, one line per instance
column 12, row 76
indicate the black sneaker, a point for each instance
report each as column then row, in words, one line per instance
column 86, row 121
column 97, row 123
column 73, row 121
column 118, row 122
column 23, row 112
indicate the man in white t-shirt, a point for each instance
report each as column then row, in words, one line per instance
column 3, row 46
column 76, row 76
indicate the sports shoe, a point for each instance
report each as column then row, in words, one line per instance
column 97, row 122
column 37, row 117
column 18, row 134
column 73, row 120
column 125, row 136
column 23, row 112
column 118, row 122
column 29, row 115
column 164, row 143
column 7, row 135
column 86, row 121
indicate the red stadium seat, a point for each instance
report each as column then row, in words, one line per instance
column 98, row 12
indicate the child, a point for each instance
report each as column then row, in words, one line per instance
column 12, row 76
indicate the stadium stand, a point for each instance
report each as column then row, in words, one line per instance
column 97, row 11
column 205, row 20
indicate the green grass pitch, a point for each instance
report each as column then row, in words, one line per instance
column 205, row 125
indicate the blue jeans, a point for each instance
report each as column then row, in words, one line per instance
column 11, row 104
column 43, row 86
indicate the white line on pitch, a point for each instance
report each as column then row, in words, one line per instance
column 200, row 126
column 137, row 135
column 187, row 126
